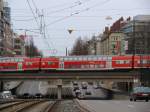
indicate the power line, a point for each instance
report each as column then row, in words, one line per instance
column 76, row 2
column 60, row 10
column 26, row 20
column 33, row 12
column 100, row 10
column 44, row 31
column 76, row 13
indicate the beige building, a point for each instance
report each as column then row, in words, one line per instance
column 116, row 44
column 105, row 44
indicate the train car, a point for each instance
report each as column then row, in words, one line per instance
column 49, row 63
column 129, row 62
column 122, row 62
column 142, row 61
column 11, row 64
column 85, row 62
column 31, row 64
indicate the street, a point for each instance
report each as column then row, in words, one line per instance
column 115, row 106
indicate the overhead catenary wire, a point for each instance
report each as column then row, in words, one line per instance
column 76, row 13
column 44, row 31
column 33, row 13
column 60, row 10
column 99, row 10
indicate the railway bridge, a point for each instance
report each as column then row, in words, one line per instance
column 128, row 76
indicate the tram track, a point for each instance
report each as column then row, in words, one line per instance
column 17, row 107
column 44, row 106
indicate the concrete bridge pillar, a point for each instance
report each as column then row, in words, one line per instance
column 59, row 89
column 1, row 86
column 59, row 92
column 136, row 82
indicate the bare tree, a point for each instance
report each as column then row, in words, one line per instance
column 80, row 47
column 32, row 50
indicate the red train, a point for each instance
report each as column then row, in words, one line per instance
column 74, row 63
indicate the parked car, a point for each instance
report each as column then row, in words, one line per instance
column 140, row 93
column 75, row 83
column 6, row 95
column 88, row 92
column 27, row 96
column 96, row 86
column 84, row 85
column 38, row 95
column 75, row 88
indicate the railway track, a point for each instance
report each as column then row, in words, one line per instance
column 43, row 106
column 67, row 106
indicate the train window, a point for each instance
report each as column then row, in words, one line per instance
column 20, row 60
column 90, row 58
column 12, row 60
column 70, row 59
column 91, row 66
column 101, row 66
column 99, row 58
column 84, row 58
column 75, row 59
column 109, row 58
column 117, row 62
column 144, row 61
column 49, row 63
column 95, row 58
column 121, row 62
column 80, row 58
column 96, row 66
column 67, row 59
column 138, row 61
column 16, row 60
column 28, row 63
column 61, row 59
column 127, row 62
column 82, row 66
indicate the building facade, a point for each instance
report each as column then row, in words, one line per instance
column 116, row 43
column 19, row 45
column 112, row 40
column 1, row 26
column 6, row 35
column 137, row 34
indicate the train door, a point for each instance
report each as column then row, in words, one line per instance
column 61, row 63
column 19, row 67
column 109, row 62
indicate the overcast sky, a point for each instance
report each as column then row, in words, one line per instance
column 86, row 17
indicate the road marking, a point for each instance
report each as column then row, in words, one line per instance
column 130, row 106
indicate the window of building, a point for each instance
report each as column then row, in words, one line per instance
column 17, row 41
